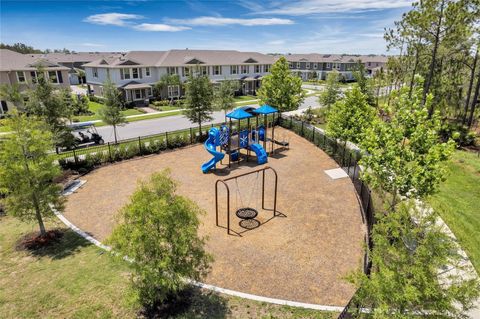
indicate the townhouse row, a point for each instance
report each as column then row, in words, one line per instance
column 136, row 72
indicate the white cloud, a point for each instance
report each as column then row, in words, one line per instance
column 118, row 19
column 219, row 21
column 307, row 7
column 159, row 27
column 276, row 42
column 92, row 45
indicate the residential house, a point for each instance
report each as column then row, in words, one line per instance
column 136, row 72
column 22, row 69
column 74, row 61
column 317, row 66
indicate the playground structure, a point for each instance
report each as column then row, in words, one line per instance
column 231, row 143
column 245, row 211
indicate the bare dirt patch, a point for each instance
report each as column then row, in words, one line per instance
column 303, row 256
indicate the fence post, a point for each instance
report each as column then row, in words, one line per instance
column 75, row 157
column 291, row 122
column 313, row 136
column 139, row 145
column 302, row 128
column 166, row 139
column 109, row 152
column 191, row 136
column 349, row 162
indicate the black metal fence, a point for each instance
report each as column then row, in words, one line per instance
column 347, row 157
column 86, row 158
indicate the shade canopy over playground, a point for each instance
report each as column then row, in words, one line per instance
column 265, row 109
column 239, row 114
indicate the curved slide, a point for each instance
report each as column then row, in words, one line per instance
column 260, row 152
column 211, row 147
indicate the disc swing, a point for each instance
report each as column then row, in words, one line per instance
column 247, row 210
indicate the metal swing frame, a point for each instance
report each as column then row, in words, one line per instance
column 224, row 182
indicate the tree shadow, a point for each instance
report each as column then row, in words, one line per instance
column 191, row 303
column 66, row 245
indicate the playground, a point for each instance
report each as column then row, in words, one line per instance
column 302, row 252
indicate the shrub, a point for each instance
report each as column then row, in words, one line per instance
column 459, row 133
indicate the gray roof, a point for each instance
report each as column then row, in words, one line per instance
column 84, row 57
column 340, row 58
column 14, row 61
column 184, row 58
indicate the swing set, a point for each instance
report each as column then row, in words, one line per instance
column 248, row 210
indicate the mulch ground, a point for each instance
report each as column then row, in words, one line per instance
column 302, row 256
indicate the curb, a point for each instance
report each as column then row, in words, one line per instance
column 207, row 286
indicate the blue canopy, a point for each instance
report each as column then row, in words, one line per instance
column 239, row 114
column 265, row 109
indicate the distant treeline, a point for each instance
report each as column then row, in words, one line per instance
column 23, row 48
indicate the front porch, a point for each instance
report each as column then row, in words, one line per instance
column 250, row 85
column 137, row 93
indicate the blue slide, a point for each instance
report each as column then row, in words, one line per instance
column 211, row 147
column 260, row 152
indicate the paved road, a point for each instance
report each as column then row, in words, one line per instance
column 170, row 123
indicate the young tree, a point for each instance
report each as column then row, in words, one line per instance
column 407, row 279
column 223, row 97
column 158, row 231
column 11, row 93
column 363, row 82
column 281, row 88
column 162, row 85
column 332, row 91
column 51, row 105
column 404, row 155
column 111, row 112
column 349, row 118
column 198, row 100
column 27, row 170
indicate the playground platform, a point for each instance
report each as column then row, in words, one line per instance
column 303, row 257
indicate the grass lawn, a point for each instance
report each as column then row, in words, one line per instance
column 458, row 200
column 94, row 108
column 73, row 279
column 242, row 98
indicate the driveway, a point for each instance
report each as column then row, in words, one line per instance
column 76, row 89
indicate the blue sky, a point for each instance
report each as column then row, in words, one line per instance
column 324, row 26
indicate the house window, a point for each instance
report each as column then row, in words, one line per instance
column 173, row 91
column 307, row 65
column 52, row 75
column 147, row 71
column 95, row 72
column 329, row 65
column 126, row 74
column 138, row 94
column 203, row 70
column 291, row 65
column 369, row 64
column 266, row 68
column 315, row 66
column 4, row 108
column 149, row 92
column 21, row 77
column 135, row 74
column 298, row 65
column 186, row 71
column 257, row 68
column 244, row 69
column 172, row 70
column 33, row 75
column 234, row 69
column 217, row 70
